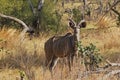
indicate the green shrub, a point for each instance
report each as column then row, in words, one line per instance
column 91, row 56
column 77, row 15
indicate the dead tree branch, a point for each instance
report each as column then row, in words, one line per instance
column 103, row 70
column 26, row 28
column 113, row 64
column 114, row 72
column 115, row 11
column 15, row 19
column 114, row 4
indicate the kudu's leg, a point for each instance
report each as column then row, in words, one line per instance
column 53, row 63
column 48, row 61
column 69, row 62
column 72, row 58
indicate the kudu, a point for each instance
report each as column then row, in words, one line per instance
column 63, row 46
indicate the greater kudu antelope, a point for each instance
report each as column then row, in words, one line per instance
column 63, row 46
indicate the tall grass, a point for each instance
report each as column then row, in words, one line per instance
column 105, row 22
column 28, row 56
column 23, row 55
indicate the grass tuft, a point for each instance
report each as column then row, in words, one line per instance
column 105, row 22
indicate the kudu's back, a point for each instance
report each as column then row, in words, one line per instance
column 63, row 45
column 59, row 46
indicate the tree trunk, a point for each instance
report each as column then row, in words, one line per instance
column 36, row 13
column 85, row 6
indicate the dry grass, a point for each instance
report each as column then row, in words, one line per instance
column 105, row 22
column 105, row 39
column 28, row 56
column 22, row 55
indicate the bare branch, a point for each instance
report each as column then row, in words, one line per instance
column 103, row 70
column 115, row 11
column 113, row 64
column 94, row 72
column 114, row 4
column 114, row 72
column 31, row 7
column 15, row 19
column 40, row 5
column 26, row 28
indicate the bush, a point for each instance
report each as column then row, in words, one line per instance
column 49, row 17
column 77, row 15
column 16, row 8
column 90, row 55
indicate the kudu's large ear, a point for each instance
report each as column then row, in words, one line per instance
column 82, row 24
column 71, row 23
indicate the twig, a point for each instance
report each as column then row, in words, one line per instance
column 94, row 72
column 114, row 4
column 110, row 74
column 103, row 70
column 113, row 64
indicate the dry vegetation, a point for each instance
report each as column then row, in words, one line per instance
column 27, row 59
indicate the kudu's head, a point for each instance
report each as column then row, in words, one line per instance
column 76, row 27
column 73, row 24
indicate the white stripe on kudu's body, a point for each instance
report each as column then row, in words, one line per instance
column 63, row 46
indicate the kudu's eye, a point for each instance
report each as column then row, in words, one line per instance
column 82, row 24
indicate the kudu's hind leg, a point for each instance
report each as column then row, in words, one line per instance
column 48, row 61
column 72, row 59
column 53, row 63
column 69, row 62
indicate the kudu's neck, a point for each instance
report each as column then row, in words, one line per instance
column 76, row 35
column 76, row 39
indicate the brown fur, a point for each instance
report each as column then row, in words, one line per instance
column 49, row 50
column 63, row 46
column 59, row 46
